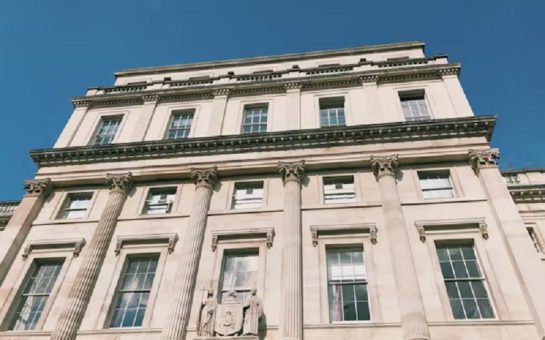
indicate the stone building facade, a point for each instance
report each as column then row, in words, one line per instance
column 344, row 194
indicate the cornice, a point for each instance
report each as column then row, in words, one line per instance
column 531, row 193
column 199, row 92
column 271, row 59
column 482, row 126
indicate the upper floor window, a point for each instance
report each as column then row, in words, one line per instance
column 339, row 189
column 347, row 284
column 435, row 184
column 511, row 178
column 464, row 282
column 180, row 124
column 107, row 130
column 254, row 119
column 248, row 195
column 414, row 105
column 32, row 299
column 134, row 291
column 332, row 112
column 536, row 240
column 239, row 273
column 75, row 205
column 159, row 200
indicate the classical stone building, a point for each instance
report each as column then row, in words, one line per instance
column 344, row 194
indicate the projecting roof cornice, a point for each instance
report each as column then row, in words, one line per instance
column 137, row 95
column 531, row 193
column 273, row 59
column 296, row 139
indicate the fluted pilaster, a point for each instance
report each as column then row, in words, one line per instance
column 413, row 318
column 291, row 318
column 78, row 299
column 186, row 274
column 16, row 231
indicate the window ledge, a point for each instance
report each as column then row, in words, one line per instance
column 353, row 324
column 444, row 200
column 481, row 322
column 120, row 330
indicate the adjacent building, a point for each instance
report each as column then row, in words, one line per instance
column 342, row 194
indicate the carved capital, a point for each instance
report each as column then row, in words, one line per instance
column 371, row 78
column 205, row 177
column 150, row 97
column 120, row 182
column 291, row 171
column 292, row 86
column 38, row 187
column 384, row 166
column 221, row 92
column 81, row 103
column 483, row 159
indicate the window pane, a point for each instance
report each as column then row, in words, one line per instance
column 239, row 273
column 159, row 201
column 248, row 195
column 180, row 125
column 435, row 185
column 134, row 291
column 107, row 130
column 339, row 189
column 32, row 300
column 75, row 205
column 414, row 106
column 466, row 287
column 255, row 119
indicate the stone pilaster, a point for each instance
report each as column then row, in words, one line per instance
column 413, row 318
column 512, row 231
column 293, row 109
column 218, row 111
column 82, row 289
column 16, row 231
column 291, row 313
column 186, row 274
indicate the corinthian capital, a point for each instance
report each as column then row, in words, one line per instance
column 384, row 166
column 291, row 171
column 483, row 159
column 38, row 187
column 205, row 177
column 120, row 182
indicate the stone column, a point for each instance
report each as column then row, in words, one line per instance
column 16, row 231
column 291, row 313
column 190, row 255
column 218, row 111
column 524, row 258
column 82, row 288
column 293, row 110
column 413, row 318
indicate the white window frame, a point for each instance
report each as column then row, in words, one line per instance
column 407, row 93
column 245, row 106
column 333, row 98
column 64, row 202
column 244, row 183
column 107, row 312
column 338, row 191
column 18, row 277
column 348, row 240
column 98, row 125
column 436, row 171
column 170, row 206
column 181, row 111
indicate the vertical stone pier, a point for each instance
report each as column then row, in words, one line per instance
column 291, row 313
column 413, row 317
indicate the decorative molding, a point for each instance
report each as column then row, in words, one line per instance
column 479, row 159
column 81, row 103
column 76, row 243
column 38, row 187
column 241, row 234
column 527, row 193
column 120, row 182
column 205, row 177
column 464, row 127
column 170, row 239
column 342, row 79
column 343, row 229
column 384, row 166
column 150, row 97
column 291, row 171
column 372, row 78
column 293, row 86
column 455, row 225
column 223, row 91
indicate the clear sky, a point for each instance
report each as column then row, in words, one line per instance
column 53, row 50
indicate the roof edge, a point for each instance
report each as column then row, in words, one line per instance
column 274, row 58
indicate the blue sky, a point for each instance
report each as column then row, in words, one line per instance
column 53, row 50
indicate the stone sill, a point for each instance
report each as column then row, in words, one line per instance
column 241, row 337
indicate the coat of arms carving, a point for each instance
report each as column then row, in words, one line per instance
column 229, row 316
